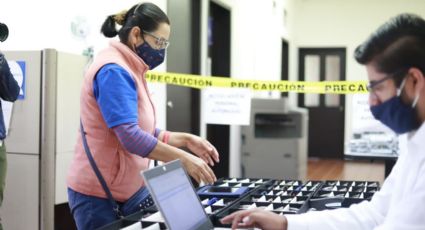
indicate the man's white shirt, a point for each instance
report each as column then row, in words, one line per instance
column 400, row 204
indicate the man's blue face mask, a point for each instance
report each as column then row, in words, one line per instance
column 150, row 56
column 399, row 117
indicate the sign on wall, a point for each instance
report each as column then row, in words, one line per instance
column 226, row 106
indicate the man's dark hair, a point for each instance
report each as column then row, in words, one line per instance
column 396, row 46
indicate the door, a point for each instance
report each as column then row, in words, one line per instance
column 183, row 108
column 326, row 111
column 219, row 52
column 285, row 64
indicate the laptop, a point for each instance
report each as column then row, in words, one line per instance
column 176, row 198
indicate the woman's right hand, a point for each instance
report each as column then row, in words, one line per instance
column 198, row 169
column 195, row 166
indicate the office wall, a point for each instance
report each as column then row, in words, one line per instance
column 335, row 23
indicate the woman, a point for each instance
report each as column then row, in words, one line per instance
column 118, row 123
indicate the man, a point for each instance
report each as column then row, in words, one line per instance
column 9, row 91
column 394, row 57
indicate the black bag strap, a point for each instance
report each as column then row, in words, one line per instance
column 102, row 181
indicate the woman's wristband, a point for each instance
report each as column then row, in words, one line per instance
column 166, row 137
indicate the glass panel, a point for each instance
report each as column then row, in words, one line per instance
column 332, row 63
column 312, row 73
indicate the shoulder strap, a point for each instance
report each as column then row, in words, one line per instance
column 102, row 181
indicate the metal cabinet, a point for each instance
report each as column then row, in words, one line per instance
column 274, row 145
column 42, row 134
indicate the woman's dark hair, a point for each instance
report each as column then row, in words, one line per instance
column 147, row 16
column 396, row 46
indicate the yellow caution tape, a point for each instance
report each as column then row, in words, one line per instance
column 200, row 82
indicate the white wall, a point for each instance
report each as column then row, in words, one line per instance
column 36, row 25
column 47, row 23
column 335, row 23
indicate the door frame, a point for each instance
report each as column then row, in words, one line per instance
column 284, row 72
column 337, row 150
column 302, row 52
column 220, row 53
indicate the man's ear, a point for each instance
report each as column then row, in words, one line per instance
column 418, row 79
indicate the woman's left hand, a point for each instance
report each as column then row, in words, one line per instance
column 203, row 148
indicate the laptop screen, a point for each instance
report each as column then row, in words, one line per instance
column 175, row 197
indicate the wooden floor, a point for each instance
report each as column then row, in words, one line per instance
column 333, row 169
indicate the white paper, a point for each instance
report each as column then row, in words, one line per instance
column 204, row 202
column 208, row 210
column 220, row 202
column 277, row 200
column 135, row 226
column 7, row 114
column 156, row 217
column 269, row 207
column 153, row 227
column 252, row 206
column 226, row 106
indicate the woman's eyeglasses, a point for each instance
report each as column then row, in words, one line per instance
column 160, row 42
